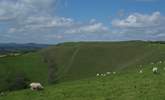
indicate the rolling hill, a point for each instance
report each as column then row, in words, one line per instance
column 121, row 86
column 85, row 59
column 77, row 61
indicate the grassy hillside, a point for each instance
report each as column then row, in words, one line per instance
column 80, row 60
column 85, row 59
column 121, row 86
column 15, row 68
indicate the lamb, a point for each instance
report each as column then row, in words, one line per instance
column 2, row 94
column 103, row 74
column 36, row 86
column 152, row 63
column 108, row 73
column 141, row 71
column 97, row 74
column 155, row 70
column 160, row 62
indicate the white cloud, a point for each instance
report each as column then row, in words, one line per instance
column 138, row 20
column 42, row 22
column 23, row 8
column 89, row 28
column 35, row 15
column 141, row 26
column 8, row 10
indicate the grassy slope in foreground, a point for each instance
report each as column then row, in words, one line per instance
column 29, row 65
column 121, row 86
column 85, row 59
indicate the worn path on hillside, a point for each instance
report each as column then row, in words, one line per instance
column 67, row 66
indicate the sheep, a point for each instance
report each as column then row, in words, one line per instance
column 2, row 94
column 152, row 63
column 141, row 71
column 36, row 86
column 97, row 74
column 114, row 72
column 155, row 70
column 108, row 73
column 104, row 74
column 160, row 62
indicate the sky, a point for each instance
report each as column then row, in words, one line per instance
column 55, row 21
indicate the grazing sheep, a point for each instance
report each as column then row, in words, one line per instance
column 155, row 70
column 152, row 63
column 141, row 71
column 97, row 74
column 114, row 72
column 104, row 74
column 108, row 73
column 2, row 94
column 36, row 86
column 160, row 62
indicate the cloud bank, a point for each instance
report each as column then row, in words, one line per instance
column 36, row 21
column 144, row 26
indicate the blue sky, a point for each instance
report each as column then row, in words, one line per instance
column 54, row 21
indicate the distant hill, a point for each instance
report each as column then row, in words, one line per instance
column 14, row 47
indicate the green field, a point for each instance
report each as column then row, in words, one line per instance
column 84, row 60
column 29, row 65
column 78, row 63
column 121, row 86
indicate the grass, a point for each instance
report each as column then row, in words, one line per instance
column 121, row 86
column 81, row 60
column 84, row 59
column 30, row 65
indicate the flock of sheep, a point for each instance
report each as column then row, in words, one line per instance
column 37, row 86
column 154, row 70
column 107, row 73
column 34, row 86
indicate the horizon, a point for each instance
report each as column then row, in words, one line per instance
column 58, row 21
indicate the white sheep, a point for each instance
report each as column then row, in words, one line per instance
column 97, row 74
column 108, row 73
column 36, row 86
column 2, row 94
column 104, row 74
column 160, row 62
column 152, row 63
column 155, row 70
column 141, row 71
column 114, row 72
